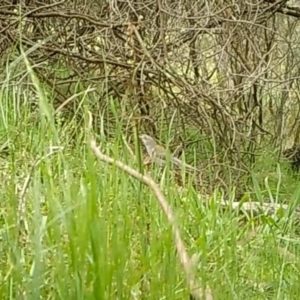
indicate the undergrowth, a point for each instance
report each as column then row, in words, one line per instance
column 89, row 231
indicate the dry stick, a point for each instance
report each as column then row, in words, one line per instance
column 185, row 260
column 67, row 101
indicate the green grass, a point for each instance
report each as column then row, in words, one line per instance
column 93, row 232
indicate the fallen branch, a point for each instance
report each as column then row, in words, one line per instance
column 257, row 208
column 253, row 208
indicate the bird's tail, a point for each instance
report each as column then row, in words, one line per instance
column 176, row 161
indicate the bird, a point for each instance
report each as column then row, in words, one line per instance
column 158, row 153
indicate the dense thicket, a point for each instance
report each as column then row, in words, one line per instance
column 220, row 72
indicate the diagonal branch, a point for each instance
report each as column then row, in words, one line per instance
column 186, row 262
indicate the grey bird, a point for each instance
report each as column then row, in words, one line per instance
column 158, row 153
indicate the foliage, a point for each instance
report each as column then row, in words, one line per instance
column 218, row 82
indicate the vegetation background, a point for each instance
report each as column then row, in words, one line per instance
column 216, row 81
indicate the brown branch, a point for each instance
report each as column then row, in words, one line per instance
column 185, row 260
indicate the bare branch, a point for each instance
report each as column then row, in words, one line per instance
column 185, row 260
